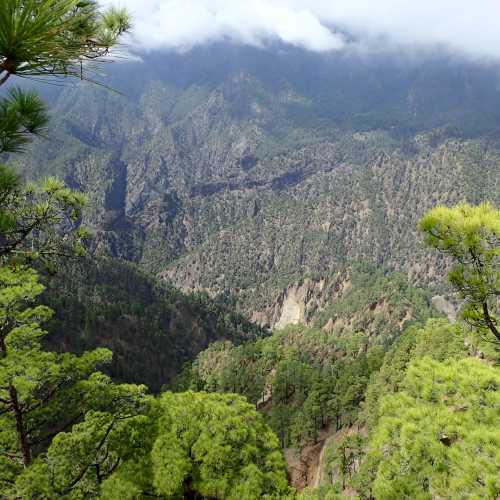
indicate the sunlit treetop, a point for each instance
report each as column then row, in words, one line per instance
column 471, row 236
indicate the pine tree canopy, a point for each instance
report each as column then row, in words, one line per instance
column 470, row 235
column 56, row 37
column 206, row 446
column 43, row 393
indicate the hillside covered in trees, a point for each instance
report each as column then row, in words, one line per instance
column 244, row 271
column 242, row 171
column 152, row 329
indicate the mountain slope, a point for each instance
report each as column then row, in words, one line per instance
column 151, row 329
column 241, row 172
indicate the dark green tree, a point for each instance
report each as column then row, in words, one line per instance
column 22, row 115
column 342, row 458
column 56, row 37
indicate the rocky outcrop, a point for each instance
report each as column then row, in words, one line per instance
column 242, row 178
column 449, row 306
column 297, row 302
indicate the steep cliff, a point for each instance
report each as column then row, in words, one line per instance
column 243, row 172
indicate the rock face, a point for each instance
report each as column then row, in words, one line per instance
column 360, row 298
column 447, row 306
column 297, row 300
column 292, row 311
column 243, row 172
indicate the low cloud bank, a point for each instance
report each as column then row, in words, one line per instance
column 469, row 28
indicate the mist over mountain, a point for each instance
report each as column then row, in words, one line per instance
column 461, row 27
column 423, row 88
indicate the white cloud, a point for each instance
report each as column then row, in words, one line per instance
column 470, row 27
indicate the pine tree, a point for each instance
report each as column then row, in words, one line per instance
column 205, row 446
column 22, row 115
column 43, row 393
column 44, row 38
column 56, row 37
column 438, row 437
column 39, row 222
column 471, row 236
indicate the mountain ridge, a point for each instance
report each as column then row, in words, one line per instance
column 240, row 171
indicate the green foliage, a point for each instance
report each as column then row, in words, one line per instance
column 438, row 339
column 426, row 410
column 114, row 439
column 342, row 459
column 209, row 445
column 471, row 236
column 42, row 393
column 38, row 221
column 54, row 37
column 152, row 328
column 77, row 462
column 300, row 377
column 22, row 115
column 321, row 493
column 438, row 437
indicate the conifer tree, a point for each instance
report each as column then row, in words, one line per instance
column 44, row 38
column 471, row 236
column 438, row 437
column 205, row 446
column 56, row 38
column 39, row 221
column 43, row 393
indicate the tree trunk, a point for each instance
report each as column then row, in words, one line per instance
column 189, row 492
column 4, row 78
column 20, row 428
column 490, row 322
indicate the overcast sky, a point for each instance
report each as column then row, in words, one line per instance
column 471, row 27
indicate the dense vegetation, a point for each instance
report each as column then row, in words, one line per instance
column 429, row 419
column 242, row 171
column 152, row 329
column 208, row 446
column 68, row 430
column 443, row 424
column 428, row 408
column 384, row 398
column 306, row 379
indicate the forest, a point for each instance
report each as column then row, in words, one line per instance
column 116, row 382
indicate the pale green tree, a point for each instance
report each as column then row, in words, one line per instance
column 438, row 437
column 470, row 235
column 206, row 446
